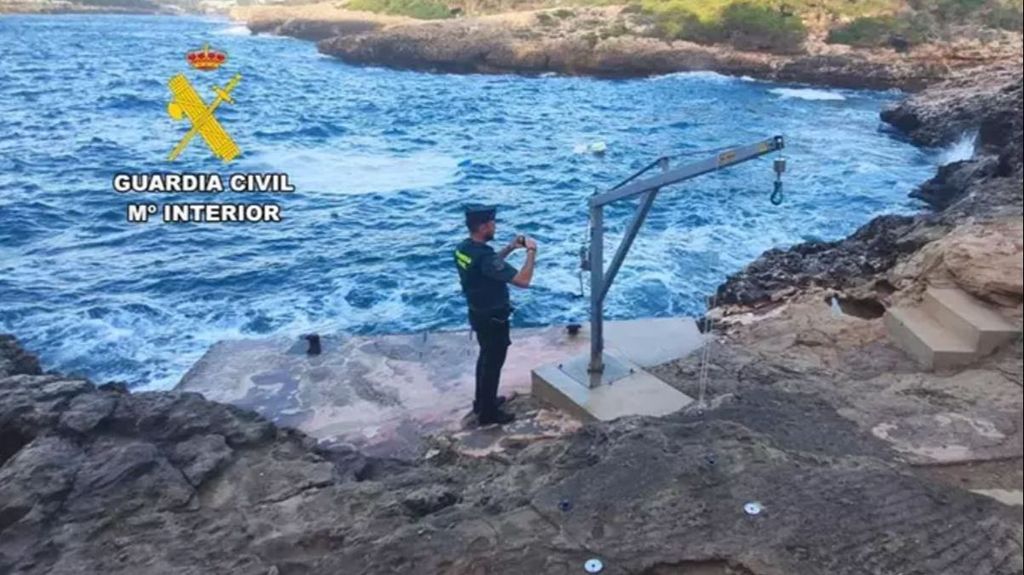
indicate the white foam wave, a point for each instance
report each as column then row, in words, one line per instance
column 810, row 94
column 962, row 149
column 705, row 76
column 341, row 172
column 236, row 30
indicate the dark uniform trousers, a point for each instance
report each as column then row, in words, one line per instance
column 492, row 333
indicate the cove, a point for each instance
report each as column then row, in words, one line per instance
column 382, row 162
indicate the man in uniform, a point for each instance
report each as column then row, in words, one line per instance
column 485, row 275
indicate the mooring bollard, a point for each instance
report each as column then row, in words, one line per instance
column 314, row 344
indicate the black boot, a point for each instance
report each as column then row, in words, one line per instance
column 498, row 402
column 496, row 416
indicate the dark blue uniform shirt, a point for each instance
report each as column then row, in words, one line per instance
column 484, row 276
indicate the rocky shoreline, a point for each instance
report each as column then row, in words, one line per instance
column 95, row 479
column 980, row 194
column 582, row 44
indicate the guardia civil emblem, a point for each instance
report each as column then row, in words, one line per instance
column 186, row 103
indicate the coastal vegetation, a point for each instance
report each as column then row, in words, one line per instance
column 746, row 25
column 421, row 9
column 778, row 26
column 923, row 21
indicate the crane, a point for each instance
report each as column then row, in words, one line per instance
column 601, row 279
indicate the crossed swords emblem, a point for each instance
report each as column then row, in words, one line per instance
column 186, row 102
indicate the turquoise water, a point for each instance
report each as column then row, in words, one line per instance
column 382, row 160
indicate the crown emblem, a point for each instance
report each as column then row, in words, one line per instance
column 206, row 59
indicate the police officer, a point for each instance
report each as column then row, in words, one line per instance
column 485, row 275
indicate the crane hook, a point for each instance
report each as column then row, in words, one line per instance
column 780, row 167
column 776, row 197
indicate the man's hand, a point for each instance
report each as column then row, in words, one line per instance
column 512, row 246
column 515, row 244
column 525, row 275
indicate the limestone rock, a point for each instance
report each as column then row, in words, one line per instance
column 428, row 500
column 516, row 43
column 309, row 29
column 40, row 473
column 87, row 411
column 170, row 416
column 122, row 477
column 200, row 456
column 150, row 489
column 30, row 404
column 985, row 259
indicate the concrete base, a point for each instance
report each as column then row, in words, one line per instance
column 386, row 393
column 624, row 388
column 637, row 393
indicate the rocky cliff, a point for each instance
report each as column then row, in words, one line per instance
column 94, row 479
column 602, row 41
column 483, row 47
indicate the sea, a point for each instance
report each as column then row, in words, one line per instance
column 382, row 162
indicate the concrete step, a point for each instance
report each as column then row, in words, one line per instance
column 927, row 340
column 969, row 318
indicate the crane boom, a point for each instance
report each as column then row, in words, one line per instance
column 600, row 280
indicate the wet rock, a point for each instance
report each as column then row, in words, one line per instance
column 14, row 360
column 348, row 461
column 871, row 250
column 953, row 181
column 857, row 71
column 965, row 102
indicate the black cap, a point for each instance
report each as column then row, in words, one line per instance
column 477, row 214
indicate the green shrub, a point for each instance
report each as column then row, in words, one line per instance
column 545, row 19
column 563, row 13
column 863, row 32
column 744, row 25
column 1006, row 16
column 422, row 9
column 754, row 27
column 678, row 23
column 955, row 11
column 874, row 31
column 614, row 30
